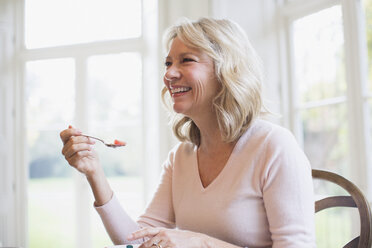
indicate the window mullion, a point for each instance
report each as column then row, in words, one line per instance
column 19, row 132
column 323, row 102
column 103, row 47
column 356, row 85
column 293, row 102
column 150, row 98
column 82, row 193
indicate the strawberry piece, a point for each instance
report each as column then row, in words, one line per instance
column 119, row 143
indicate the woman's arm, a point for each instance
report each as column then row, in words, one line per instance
column 177, row 238
column 117, row 222
column 288, row 194
column 79, row 153
column 100, row 187
column 158, row 213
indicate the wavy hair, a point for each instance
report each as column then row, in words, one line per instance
column 237, row 68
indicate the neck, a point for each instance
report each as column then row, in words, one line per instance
column 210, row 134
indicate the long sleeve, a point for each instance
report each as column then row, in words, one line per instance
column 116, row 221
column 288, row 194
column 262, row 198
column 158, row 213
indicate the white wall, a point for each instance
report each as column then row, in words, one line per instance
column 259, row 19
column 7, row 191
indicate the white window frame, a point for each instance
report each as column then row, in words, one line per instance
column 148, row 46
column 356, row 76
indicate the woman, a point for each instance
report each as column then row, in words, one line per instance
column 235, row 180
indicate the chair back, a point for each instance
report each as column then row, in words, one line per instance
column 355, row 200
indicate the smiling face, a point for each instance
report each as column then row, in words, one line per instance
column 190, row 79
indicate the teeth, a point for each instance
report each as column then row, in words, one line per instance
column 180, row 89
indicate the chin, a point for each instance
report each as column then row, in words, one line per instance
column 179, row 109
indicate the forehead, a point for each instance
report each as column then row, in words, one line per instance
column 177, row 48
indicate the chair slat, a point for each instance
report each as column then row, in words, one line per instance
column 353, row 243
column 358, row 199
column 334, row 201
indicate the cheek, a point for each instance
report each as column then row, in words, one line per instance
column 166, row 83
column 199, row 90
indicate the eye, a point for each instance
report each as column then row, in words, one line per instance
column 188, row 60
column 167, row 63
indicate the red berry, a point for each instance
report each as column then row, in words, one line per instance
column 119, row 143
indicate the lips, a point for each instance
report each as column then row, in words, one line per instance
column 179, row 89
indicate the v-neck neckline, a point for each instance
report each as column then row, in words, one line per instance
column 220, row 174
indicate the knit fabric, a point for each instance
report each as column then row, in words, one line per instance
column 263, row 197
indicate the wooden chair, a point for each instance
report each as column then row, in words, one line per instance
column 356, row 200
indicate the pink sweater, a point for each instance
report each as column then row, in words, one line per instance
column 262, row 198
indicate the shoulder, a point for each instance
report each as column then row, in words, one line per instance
column 181, row 152
column 282, row 151
column 265, row 133
column 277, row 135
column 182, row 148
column 273, row 143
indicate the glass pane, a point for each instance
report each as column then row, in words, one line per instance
column 334, row 226
column 326, row 145
column 326, row 137
column 115, row 89
column 115, row 96
column 50, row 92
column 50, row 98
column 51, row 217
column 368, row 14
column 57, row 22
column 319, row 55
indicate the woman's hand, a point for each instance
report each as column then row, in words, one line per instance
column 168, row 238
column 78, row 151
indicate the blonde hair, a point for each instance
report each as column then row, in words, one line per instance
column 237, row 68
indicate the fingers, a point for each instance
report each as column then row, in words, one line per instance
column 144, row 232
column 154, row 240
column 67, row 133
column 71, row 149
column 75, row 159
column 74, row 142
column 154, row 237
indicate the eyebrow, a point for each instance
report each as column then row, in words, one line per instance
column 183, row 55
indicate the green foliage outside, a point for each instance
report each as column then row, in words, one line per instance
column 52, row 217
column 333, row 228
column 46, row 159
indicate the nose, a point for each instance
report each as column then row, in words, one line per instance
column 172, row 74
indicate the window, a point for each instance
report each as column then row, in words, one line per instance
column 55, row 23
column 330, row 98
column 319, row 66
column 50, row 102
column 85, row 64
column 320, row 78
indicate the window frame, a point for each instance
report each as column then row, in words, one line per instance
column 356, row 67
column 147, row 45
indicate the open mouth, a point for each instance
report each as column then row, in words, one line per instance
column 179, row 90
